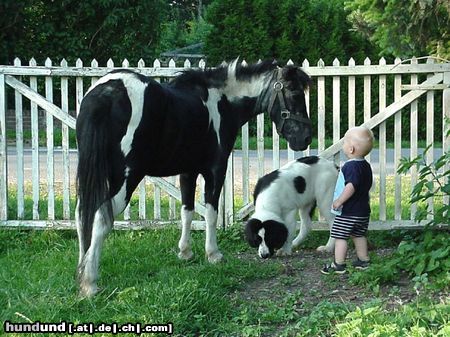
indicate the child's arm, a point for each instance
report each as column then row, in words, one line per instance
column 348, row 191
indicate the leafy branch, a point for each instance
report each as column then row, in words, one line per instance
column 433, row 181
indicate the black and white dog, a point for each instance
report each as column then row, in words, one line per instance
column 299, row 185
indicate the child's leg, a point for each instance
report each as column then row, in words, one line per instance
column 340, row 251
column 361, row 248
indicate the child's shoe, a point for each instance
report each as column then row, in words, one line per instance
column 360, row 264
column 334, row 268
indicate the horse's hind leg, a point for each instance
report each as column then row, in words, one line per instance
column 102, row 225
column 82, row 249
column 187, row 185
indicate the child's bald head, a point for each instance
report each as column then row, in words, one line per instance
column 361, row 139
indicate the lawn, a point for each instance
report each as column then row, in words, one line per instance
column 143, row 281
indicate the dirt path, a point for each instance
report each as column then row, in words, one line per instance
column 301, row 277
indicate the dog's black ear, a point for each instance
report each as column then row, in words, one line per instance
column 276, row 234
column 251, row 232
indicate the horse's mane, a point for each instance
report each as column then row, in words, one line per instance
column 216, row 77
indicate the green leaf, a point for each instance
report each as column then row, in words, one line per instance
column 419, row 269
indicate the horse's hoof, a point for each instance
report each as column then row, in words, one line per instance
column 87, row 291
column 185, row 255
column 215, row 257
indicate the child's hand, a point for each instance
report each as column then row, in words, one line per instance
column 337, row 204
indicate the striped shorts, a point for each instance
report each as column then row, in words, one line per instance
column 345, row 226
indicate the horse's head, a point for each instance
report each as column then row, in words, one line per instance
column 287, row 106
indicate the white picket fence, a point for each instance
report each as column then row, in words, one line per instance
column 34, row 177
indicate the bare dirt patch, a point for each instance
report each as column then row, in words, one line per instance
column 300, row 272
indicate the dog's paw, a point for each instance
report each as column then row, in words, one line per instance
column 282, row 252
column 324, row 249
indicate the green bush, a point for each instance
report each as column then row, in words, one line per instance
column 424, row 255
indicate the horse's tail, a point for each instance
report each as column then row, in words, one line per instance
column 93, row 173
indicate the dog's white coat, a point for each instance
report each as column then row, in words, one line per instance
column 280, row 201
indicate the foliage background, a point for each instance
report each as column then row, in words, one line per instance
column 252, row 29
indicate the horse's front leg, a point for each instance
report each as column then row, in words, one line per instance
column 187, row 185
column 213, row 186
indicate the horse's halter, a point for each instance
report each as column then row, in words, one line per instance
column 284, row 112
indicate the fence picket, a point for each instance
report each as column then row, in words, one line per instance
column 351, row 97
column 336, row 109
column 65, row 144
column 382, row 145
column 79, row 88
column 430, row 136
column 245, row 165
column 19, row 149
column 50, row 147
column 275, row 148
column 321, row 109
column 446, row 126
column 367, row 97
column 397, row 145
column 305, row 66
column 413, row 139
column 3, row 153
column 143, row 183
column 157, row 189
column 260, row 143
column 94, row 65
column 172, row 180
column 34, row 146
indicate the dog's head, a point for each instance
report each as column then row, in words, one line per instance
column 267, row 236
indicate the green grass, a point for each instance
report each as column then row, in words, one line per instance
column 141, row 277
column 142, row 280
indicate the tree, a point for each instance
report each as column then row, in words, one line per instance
column 404, row 29
column 289, row 29
column 240, row 28
column 12, row 17
column 87, row 29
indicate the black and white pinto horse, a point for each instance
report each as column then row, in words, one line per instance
column 130, row 126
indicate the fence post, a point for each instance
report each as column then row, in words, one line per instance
column 446, row 125
column 3, row 162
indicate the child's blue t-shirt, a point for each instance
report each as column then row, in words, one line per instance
column 359, row 173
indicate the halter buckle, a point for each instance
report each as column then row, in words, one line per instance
column 278, row 86
column 285, row 114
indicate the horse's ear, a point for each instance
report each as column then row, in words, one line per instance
column 304, row 78
column 251, row 232
column 295, row 74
